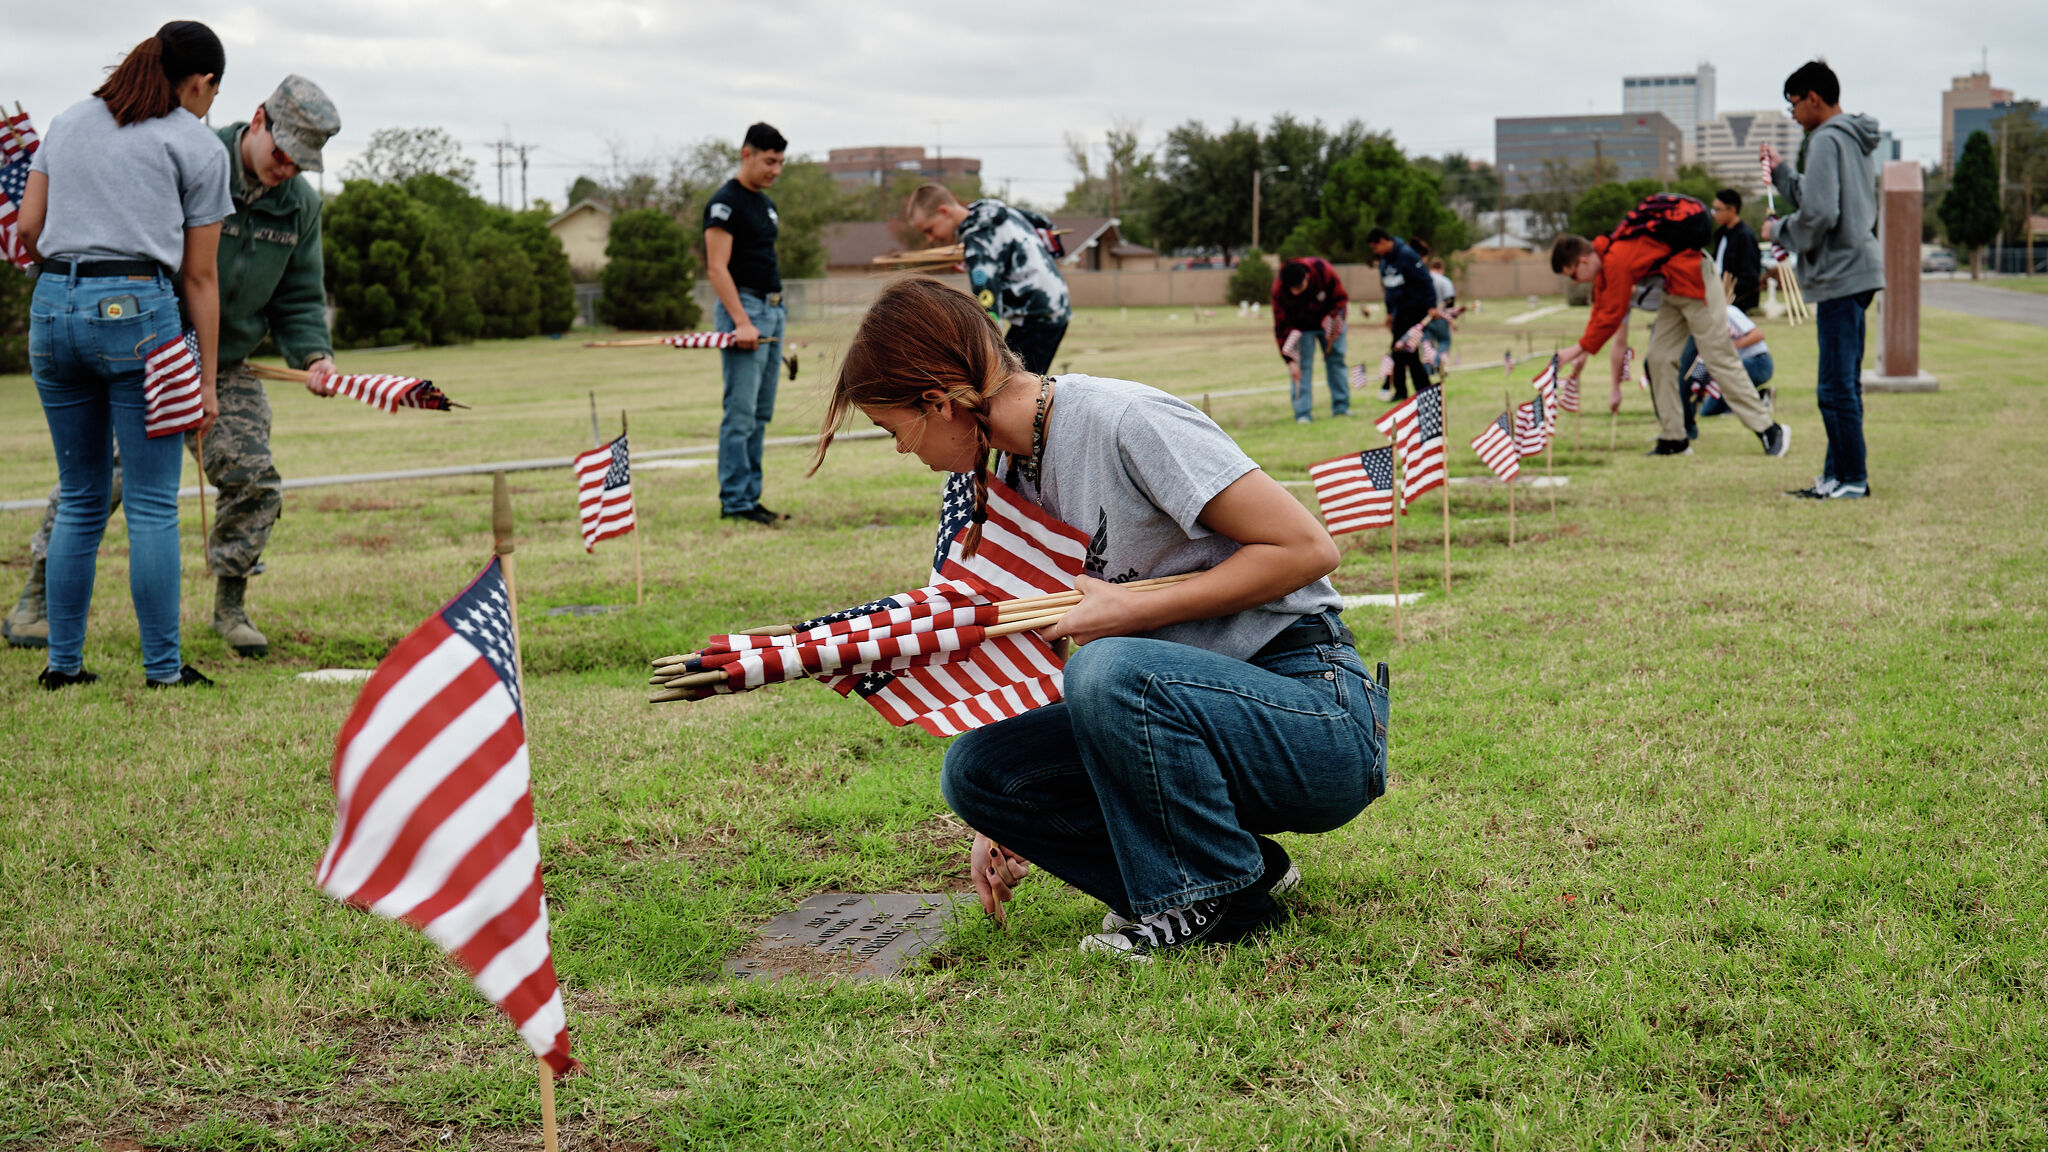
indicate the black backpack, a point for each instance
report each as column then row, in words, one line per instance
column 1680, row 223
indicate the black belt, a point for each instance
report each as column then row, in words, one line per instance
column 1324, row 628
column 91, row 268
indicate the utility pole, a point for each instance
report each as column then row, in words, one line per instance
column 524, row 201
column 1257, row 174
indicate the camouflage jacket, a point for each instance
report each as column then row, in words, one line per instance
column 1011, row 270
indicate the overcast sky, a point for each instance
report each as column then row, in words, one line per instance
column 1006, row 84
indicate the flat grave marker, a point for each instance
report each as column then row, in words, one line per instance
column 847, row 935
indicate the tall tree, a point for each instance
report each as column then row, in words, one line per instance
column 1205, row 191
column 394, row 269
column 806, row 200
column 1970, row 210
column 1124, row 186
column 395, row 155
column 1376, row 186
column 2022, row 144
column 648, row 273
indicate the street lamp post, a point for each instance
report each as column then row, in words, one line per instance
column 1258, row 174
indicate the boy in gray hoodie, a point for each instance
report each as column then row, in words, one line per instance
column 1833, row 232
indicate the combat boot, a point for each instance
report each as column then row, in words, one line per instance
column 28, row 625
column 232, row 623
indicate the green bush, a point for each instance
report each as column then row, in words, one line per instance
column 1376, row 186
column 502, row 281
column 552, row 280
column 14, row 293
column 1252, row 282
column 646, row 283
column 396, row 273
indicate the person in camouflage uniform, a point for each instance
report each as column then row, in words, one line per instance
column 270, row 284
column 1010, row 264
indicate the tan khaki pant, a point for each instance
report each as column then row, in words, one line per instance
column 1706, row 321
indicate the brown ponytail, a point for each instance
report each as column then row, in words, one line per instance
column 918, row 335
column 144, row 85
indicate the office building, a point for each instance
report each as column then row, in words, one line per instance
column 1627, row 147
column 1965, row 93
column 1729, row 142
column 1686, row 99
column 1985, row 120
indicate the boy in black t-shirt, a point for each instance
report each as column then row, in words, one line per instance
column 740, row 226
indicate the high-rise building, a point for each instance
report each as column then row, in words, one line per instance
column 1686, row 99
column 1728, row 144
column 1628, row 147
column 1985, row 120
column 1972, row 91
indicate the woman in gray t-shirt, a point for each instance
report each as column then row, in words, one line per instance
column 1198, row 717
column 123, row 209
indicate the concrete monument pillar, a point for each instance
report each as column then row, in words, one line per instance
column 1899, row 370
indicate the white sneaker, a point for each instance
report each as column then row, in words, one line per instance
column 1289, row 880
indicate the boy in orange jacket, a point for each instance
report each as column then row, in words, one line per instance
column 1651, row 261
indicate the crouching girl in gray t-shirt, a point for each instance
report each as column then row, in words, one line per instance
column 123, row 209
column 1198, row 717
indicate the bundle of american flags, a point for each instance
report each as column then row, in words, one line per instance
column 951, row 656
column 1416, row 427
column 18, row 144
column 1496, row 449
column 1355, row 491
column 172, row 401
column 699, row 340
column 604, row 492
column 433, row 819
column 391, row 393
column 1699, row 381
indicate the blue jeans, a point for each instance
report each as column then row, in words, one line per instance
column 1148, row 786
column 88, row 371
column 1760, row 368
column 750, row 379
column 1333, row 364
column 1839, row 323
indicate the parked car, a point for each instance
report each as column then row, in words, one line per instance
column 1937, row 260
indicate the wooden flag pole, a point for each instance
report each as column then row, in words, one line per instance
column 1394, row 549
column 1446, row 486
column 639, row 584
column 1550, row 483
column 1511, row 510
column 205, row 537
column 597, row 437
column 501, row 534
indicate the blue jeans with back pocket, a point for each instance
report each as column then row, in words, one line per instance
column 88, row 371
column 1148, row 786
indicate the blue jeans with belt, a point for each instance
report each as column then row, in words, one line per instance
column 1333, row 366
column 1148, row 786
column 750, row 379
column 88, row 370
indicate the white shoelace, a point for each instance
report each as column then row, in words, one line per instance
column 1159, row 928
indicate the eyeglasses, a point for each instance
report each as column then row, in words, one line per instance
column 278, row 157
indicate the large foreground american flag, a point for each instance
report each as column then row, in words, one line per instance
column 172, row 400
column 1355, row 491
column 604, row 492
column 1496, row 448
column 433, row 820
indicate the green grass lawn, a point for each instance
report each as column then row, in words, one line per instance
column 1717, row 818
column 2038, row 284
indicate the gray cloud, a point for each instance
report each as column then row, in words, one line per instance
column 1007, row 83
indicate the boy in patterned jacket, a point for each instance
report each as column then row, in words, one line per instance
column 1011, row 266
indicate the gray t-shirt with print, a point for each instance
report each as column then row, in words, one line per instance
column 1133, row 467
column 129, row 193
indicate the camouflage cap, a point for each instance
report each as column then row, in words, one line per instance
column 301, row 119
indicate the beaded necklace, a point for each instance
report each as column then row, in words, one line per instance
column 1030, row 468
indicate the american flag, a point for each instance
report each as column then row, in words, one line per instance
column 1532, row 427
column 1356, row 490
column 13, row 186
column 172, row 401
column 393, row 392
column 12, row 148
column 1429, row 353
column 1700, row 381
column 1496, row 448
column 1416, row 427
column 1291, row 347
column 1410, row 340
column 1628, row 359
column 1545, row 385
column 699, row 340
column 1568, row 392
column 433, row 819
column 604, row 492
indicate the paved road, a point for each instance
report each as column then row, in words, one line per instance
column 1986, row 301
